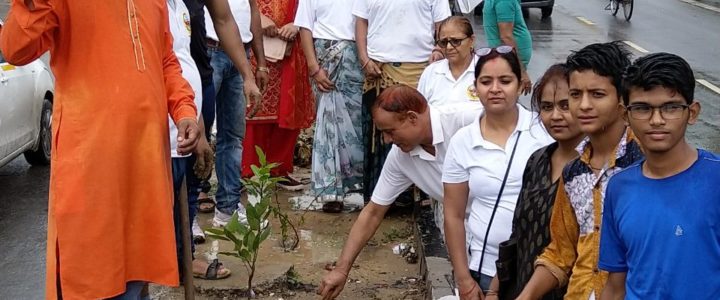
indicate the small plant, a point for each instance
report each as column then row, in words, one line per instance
column 249, row 234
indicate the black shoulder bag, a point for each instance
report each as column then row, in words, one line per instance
column 497, row 202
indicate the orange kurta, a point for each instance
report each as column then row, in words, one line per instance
column 110, row 206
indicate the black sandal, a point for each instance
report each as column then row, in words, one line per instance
column 209, row 208
column 212, row 272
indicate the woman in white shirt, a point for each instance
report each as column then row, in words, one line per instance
column 483, row 171
column 452, row 80
column 327, row 35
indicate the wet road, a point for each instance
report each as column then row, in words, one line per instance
column 657, row 25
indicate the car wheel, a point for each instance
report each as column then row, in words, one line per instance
column 41, row 155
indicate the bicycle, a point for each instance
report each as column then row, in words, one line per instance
column 627, row 5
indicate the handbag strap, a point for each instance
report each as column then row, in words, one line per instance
column 497, row 202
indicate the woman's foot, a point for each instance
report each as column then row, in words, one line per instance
column 206, row 204
column 209, row 271
column 291, row 184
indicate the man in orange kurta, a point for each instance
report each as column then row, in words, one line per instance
column 110, row 207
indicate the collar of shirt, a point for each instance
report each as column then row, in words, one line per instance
column 438, row 137
column 585, row 149
column 523, row 124
column 444, row 69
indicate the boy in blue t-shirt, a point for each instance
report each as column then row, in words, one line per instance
column 660, row 235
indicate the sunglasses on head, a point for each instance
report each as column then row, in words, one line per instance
column 502, row 49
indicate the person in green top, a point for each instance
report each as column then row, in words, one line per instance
column 504, row 25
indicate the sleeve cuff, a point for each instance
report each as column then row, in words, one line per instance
column 185, row 112
column 455, row 179
column 559, row 274
column 611, row 268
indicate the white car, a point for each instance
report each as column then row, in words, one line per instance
column 26, row 100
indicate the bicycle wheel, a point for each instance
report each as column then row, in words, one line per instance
column 614, row 6
column 627, row 8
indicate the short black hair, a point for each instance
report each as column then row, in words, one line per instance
column 660, row 69
column 605, row 59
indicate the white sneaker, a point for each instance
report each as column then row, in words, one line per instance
column 197, row 232
column 221, row 219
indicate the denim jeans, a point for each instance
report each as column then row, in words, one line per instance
column 182, row 166
column 133, row 291
column 208, row 112
column 230, row 109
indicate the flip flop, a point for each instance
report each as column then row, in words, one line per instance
column 212, row 272
column 207, row 208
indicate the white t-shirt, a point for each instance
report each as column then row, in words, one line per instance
column 440, row 88
column 327, row 19
column 179, row 19
column 401, row 30
column 241, row 13
column 482, row 164
column 417, row 166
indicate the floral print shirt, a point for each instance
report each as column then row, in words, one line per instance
column 576, row 216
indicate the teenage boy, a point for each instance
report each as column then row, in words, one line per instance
column 661, row 222
column 595, row 73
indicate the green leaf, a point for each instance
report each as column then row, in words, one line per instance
column 235, row 254
column 262, row 207
column 273, row 165
column 255, row 170
column 246, row 240
column 217, row 237
column 253, row 242
column 232, row 237
column 245, row 255
column 264, row 235
column 233, row 224
column 261, row 156
column 217, row 231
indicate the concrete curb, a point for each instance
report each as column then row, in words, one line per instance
column 435, row 267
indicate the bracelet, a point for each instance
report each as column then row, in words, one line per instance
column 470, row 291
column 365, row 64
column 315, row 73
column 491, row 293
column 263, row 69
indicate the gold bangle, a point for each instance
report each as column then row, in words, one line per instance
column 263, row 69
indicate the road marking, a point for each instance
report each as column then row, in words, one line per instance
column 709, row 85
column 636, row 47
column 586, row 21
column 702, row 5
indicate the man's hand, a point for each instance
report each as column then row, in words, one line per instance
column 332, row 284
column 288, row 32
column 435, row 55
column 323, row 82
column 372, row 69
column 205, row 159
column 270, row 31
column 253, row 97
column 261, row 79
column 188, row 136
column 525, row 83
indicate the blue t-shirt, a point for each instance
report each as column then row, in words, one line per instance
column 665, row 233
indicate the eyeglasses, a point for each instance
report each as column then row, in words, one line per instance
column 502, row 49
column 452, row 41
column 668, row 111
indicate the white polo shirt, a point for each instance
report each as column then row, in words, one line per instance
column 179, row 20
column 482, row 164
column 241, row 13
column 401, row 30
column 418, row 166
column 327, row 19
column 440, row 88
